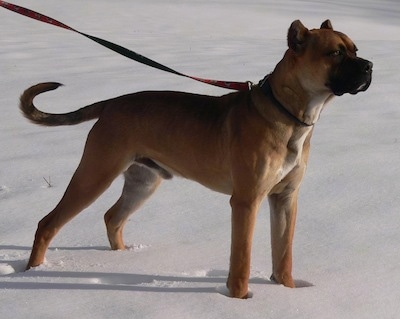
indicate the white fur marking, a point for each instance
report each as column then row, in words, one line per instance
column 295, row 150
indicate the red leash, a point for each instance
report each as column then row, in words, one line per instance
column 238, row 86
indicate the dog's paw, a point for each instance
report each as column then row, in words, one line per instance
column 298, row 283
column 223, row 290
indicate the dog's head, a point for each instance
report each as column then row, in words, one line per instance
column 328, row 59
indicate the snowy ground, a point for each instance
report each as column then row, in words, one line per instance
column 347, row 237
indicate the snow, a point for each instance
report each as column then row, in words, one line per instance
column 346, row 258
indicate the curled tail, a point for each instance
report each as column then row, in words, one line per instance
column 36, row 116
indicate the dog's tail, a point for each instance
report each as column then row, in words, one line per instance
column 36, row 116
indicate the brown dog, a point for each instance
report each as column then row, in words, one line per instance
column 246, row 144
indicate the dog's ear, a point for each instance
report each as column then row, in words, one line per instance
column 326, row 25
column 297, row 36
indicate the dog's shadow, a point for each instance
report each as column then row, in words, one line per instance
column 210, row 282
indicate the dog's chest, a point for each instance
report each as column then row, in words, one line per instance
column 295, row 148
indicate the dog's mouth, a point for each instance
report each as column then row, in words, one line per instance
column 353, row 89
column 363, row 87
column 353, row 77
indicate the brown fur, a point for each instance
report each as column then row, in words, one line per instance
column 239, row 144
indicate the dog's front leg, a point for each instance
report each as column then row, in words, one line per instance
column 243, row 221
column 283, row 218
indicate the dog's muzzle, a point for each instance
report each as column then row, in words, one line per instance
column 352, row 76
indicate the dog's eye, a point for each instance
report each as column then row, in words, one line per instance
column 336, row 53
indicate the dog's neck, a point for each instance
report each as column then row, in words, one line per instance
column 303, row 110
column 315, row 107
column 267, row 90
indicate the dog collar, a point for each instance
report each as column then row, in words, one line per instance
column 267, row 90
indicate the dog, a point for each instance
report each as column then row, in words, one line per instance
column 249, row 145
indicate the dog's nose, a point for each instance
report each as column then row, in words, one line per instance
column 368, row 67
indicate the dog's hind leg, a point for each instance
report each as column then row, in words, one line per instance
column 140, row 184
column 98, row 168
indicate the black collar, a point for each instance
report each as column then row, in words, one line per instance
column 266, row 88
